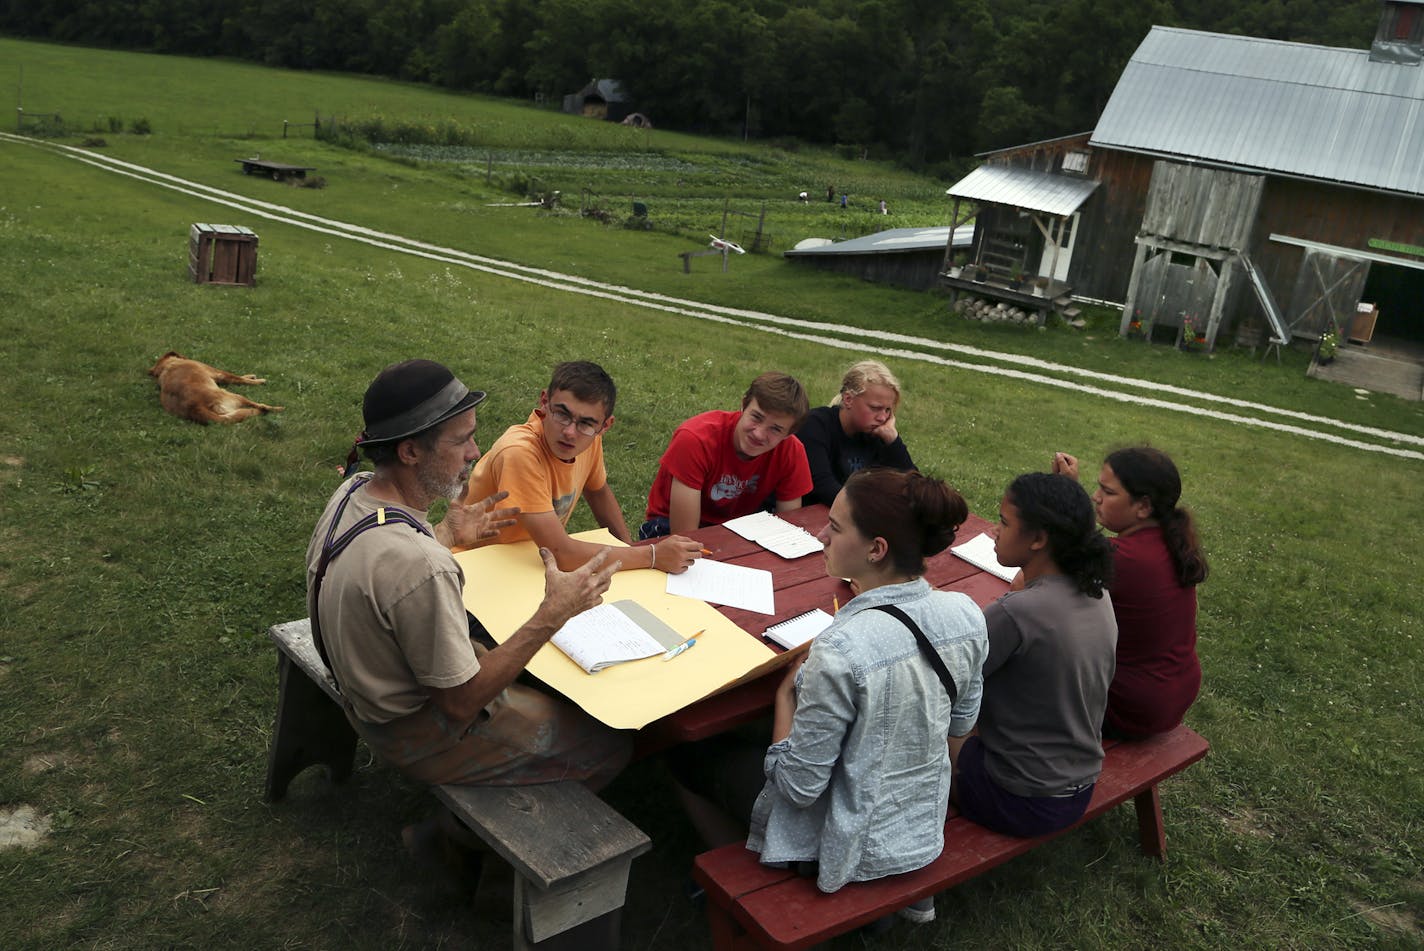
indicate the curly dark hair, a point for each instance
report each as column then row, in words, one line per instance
column 1058, row 506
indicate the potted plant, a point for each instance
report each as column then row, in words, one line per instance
column 1192, row 338
column 1329, row 344
column 956, row 266
column 1016, row 278
column 1040, row 286
column 981, row 273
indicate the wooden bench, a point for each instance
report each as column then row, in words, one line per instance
column 750, row 905
column 571, row 852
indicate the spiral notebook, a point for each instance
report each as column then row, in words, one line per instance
column 614, row 633
column 800, row 629
column 979, row 552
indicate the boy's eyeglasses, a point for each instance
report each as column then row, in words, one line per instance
column 564, row 419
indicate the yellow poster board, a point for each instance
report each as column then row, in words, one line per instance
column 505, row 583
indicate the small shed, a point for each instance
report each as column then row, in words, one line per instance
column 600, row 99
column 1025, row 224
column 907, row 257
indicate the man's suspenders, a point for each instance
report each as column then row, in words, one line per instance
column 334, row 546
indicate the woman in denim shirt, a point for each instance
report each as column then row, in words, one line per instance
column 857, row 776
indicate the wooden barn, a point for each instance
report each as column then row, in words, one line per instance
column 1270, row 189
column 600, row 99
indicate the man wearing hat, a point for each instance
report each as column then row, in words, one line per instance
column 385, row 599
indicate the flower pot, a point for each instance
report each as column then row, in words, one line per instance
column 955, row 271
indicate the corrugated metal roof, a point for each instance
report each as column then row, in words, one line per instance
column 1024, row 188
column 896, row 240
column 1291, row 108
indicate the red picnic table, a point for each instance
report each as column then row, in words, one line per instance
column 800, row 585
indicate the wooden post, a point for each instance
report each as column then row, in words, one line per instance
column 1130, row 303
column 1218, row 302
column 949, row 242
column 1057, row 240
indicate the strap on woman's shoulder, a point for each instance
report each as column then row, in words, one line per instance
column 926, row 648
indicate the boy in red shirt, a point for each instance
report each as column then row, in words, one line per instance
column 720, row 464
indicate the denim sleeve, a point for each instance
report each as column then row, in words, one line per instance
column 965, row 712
column 800, row 766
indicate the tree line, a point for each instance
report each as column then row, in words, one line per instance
column 922, row 81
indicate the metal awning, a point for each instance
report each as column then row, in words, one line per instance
column 1059, row 195
column 894, row 241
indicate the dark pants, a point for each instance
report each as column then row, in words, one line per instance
column 984, row 801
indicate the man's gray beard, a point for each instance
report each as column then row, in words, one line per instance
column 449, row 491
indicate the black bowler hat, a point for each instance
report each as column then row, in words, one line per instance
column 410, row 397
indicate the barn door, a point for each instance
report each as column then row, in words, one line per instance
column 1173, row 287
column 1327, row 288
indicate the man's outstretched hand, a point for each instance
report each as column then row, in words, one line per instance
column 466, row 526
column 567, row 593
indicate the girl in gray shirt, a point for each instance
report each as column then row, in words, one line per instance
column 1032, row 766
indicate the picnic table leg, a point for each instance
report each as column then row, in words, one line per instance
column 1151, row 830
column 727, row 935
column 309, row 729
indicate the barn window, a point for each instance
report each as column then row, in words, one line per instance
column 1075, row 162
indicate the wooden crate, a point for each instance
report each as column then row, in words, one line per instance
column 222, row 254
column 1362, row 327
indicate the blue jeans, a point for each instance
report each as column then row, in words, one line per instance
column 655, row 527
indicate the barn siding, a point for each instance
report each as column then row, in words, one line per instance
column 917, row 270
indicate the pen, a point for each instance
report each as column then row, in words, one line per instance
column 706, row 551
column 688, row 644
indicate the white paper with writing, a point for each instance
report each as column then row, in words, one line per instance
column 721, row 583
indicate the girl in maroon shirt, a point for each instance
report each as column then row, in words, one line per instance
column 1157, row 564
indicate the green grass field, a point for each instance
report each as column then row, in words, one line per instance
column 142, row 557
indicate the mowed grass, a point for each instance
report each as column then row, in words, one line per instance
column 143, row 557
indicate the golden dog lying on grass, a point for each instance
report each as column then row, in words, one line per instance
column 190, row 390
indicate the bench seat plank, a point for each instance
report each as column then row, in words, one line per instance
column 775, row 908
column 548, row 832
